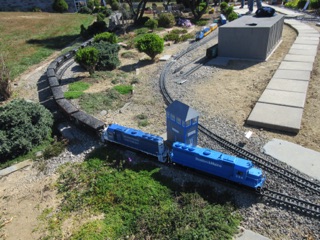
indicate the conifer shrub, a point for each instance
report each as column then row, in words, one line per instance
column 87, row 57
column 108, row 59
column 23, row 126
column 93, row 29
column 60, row 6
column 151, row 44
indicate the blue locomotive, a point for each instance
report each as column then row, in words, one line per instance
column 214, row 163
column 136, row 139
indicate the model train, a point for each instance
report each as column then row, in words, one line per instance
column 214, row 163
column 205, row 31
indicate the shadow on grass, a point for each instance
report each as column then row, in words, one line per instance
column 55, row 43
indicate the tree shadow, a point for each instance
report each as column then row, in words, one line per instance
column 55, row 43
column 132, row 67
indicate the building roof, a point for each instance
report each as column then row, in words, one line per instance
column 182, row 110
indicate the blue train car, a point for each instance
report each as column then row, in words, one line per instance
column 136, row 139
column 218, row 164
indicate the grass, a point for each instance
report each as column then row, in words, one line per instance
column 123, row 89
column 76, row 90
column 28, row 38
column 93, row 103
column 136, row 201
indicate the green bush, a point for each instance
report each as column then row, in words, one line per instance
column 151, row 44
column 107, row 37
column 201, row 22
column 151, row 23
column 93, row 29
column 107, row 55
column 172, row 37
column 232, row 16
column 23, row 125
column 115, row 5
column 92, row 4
column 88, row 58
column 100, row 17
column 223, row 7
column 85, row 10
column 228, row 11
column 314, row 4
column 166, row 20
column 60, row 6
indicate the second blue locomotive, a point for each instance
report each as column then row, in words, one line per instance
column 214, row 163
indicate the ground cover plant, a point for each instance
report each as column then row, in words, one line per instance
column 28, row 38
column 76, row 89
column 133, row 199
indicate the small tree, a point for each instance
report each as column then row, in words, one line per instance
column 151, row 44
column 151, row 23
column 5, row 86
column 60, row 6
column 107, row 55
column 88, row 58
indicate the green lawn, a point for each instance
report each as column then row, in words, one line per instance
column 28, row 38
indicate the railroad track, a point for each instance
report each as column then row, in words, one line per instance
column 292, row 203
column 273, row 196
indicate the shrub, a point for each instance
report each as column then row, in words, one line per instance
column 100, row 17
column 314, row 4
column 115, row 5
column 92, row 4
column 228, row 11
column 88, row 58
column 93, row 29
column 107, row 37
column 151, row 23
column 201, row 22
column 5, row 86
column 232, row 16
column 166, row 20
column 172, row 37
column 23, row 125
column 223, row 7
column 151, row 44
column 60, row 6
column 85, row 10
column 107, row 55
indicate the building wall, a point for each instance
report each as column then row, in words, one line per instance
column 27, row 5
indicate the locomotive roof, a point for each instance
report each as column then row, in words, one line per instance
column 182, row 110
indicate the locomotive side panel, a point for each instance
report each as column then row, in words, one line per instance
column 201, row 159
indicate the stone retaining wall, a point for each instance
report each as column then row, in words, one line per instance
column 27, row 5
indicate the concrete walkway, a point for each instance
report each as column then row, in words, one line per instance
column 281, row 105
